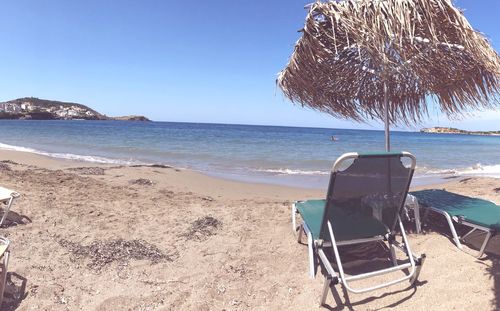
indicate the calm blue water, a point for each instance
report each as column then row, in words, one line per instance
column 285, row 155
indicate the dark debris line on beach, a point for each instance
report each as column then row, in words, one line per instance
column 102, row 253
column 89, row 170
column 141, row 182
column 9, row 162
column 4, row 167
column 202, row 228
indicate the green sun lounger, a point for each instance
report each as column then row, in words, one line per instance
column 312, row 212
column 364, row 198
column 478, row 214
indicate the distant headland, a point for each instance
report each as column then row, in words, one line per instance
column 32, row 108
column 451, row 130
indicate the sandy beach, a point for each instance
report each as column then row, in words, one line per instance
column 101, row 237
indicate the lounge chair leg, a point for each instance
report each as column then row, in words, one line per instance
column 336, row 297
column 311, row 254
column 326, row 287
column 418, row 268
column 452, row 229
column 412, row 202
column 299, row 234
column 393, row 254
column 297, row 229
column 483, row 247
column 4, row 275
column 418, row 224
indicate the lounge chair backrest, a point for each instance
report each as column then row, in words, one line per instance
column 374, row 185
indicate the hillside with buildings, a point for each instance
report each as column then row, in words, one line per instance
column 451, row 130
column 32, row 108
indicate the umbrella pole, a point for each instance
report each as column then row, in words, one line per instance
column 387, row 138
column 386, row 120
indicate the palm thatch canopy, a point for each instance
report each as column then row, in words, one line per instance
column 418, row 48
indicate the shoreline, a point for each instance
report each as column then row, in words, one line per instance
column 197, row 180
column 311, row 182
column 269, row 155
column 194, row 178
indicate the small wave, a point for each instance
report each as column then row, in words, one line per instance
column 435, row 171
column 16, row 148
column 287, row 171
column 483, row 170
column 475, row 170
column 69, row 156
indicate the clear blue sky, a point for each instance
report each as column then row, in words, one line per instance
column 198, row 61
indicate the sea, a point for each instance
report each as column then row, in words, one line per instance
column 294, row 156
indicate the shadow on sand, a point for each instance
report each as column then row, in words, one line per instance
column 355, row 261
column 15, row 219
column 379, row 251
column 472, row 245
column 348, row 305
column 15, row 291
column 492, row 253
column 494, row 271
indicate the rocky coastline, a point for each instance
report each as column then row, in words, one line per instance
column 451, row 130
column 32, row 108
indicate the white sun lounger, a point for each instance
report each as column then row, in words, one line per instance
column 7, row 197
column 4, row 262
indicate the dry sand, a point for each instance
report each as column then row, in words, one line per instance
column 87, row 237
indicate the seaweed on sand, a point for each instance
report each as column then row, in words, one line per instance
column 4, row 167
column 89, row 170
column 202, row 228
column 102, row 253
column 142, row 182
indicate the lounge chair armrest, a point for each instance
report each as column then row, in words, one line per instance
column 4, row 245
column 3, row 249
column 328, row 266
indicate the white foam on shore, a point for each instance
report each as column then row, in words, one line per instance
column 69, row 156
column 475, row 170
column 421, row 172
column 482, row 170
column 287, row 171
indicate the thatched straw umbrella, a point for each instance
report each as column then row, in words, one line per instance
column 382, row 59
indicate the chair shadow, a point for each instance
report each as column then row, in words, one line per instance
column 379, row 254
column 473, row 243
column 14, row 219
column 494, row 272
column 15, row 291
column 492, row 254
column 412, row 290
